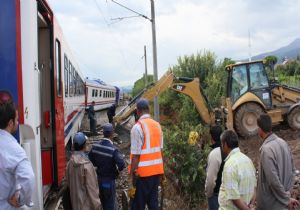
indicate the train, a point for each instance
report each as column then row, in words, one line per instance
column 102, row 94
column 42, row 76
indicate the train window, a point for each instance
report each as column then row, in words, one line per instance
column 96, row 94
column 100, row 93
column 66, row 75
column 93, row 93
column 58, row 67
column 74, row 81
column 70, row 79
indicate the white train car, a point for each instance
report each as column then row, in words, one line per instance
column 40, row 73
column 104, row 95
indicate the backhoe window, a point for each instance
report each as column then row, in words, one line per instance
column 239, row 82
column 258, row 76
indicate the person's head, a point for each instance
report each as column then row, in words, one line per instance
column 229, row 141
column 79, row 141
column 142, row 107
column 5, row 96
column 264, row 124
column 108, row 130
column 8, row 117
column 215, row 132
column 93, row 103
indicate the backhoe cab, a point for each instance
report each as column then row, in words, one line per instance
column 252, row 93
column 249, row 94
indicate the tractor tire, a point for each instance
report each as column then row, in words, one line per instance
column 245, row 119
column 294, row 118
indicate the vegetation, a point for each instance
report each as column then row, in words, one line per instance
column 186, row 163
column 289, row 73
column 139, row 85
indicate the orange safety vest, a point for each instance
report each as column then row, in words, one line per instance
column 151, row 162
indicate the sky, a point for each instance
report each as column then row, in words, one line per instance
column 112, row 50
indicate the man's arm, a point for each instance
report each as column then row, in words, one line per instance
column 240, row 204
column 134, row 165
column 25, row 178
column 119, row 160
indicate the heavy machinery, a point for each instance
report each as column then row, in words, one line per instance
column 249, row 93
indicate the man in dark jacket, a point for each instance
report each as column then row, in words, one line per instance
column 92, row 118
column 109, row 161
column 111, row 112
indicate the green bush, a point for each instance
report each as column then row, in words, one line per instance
column 186, row 163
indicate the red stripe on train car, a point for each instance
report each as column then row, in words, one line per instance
column 19, row 63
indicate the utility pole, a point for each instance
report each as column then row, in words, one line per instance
column 155, row 77
column 146, row 74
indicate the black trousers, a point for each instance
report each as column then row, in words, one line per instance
column 146, row 193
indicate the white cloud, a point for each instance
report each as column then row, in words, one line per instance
column 113, row 53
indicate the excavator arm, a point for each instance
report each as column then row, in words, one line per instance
column 189, row 87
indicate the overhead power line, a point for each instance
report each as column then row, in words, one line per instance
column 139, row 14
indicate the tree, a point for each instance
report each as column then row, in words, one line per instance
column 271, row 60
column 139, row 85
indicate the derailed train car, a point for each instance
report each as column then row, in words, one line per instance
column 38, row 70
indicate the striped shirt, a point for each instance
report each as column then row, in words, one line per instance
column 238, row 180
column 137, row 137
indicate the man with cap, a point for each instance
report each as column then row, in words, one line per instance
column 146, row 161
column 215, row 164
column 109, row 161
column 82, row 178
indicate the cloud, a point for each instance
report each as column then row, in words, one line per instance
column 112, row 50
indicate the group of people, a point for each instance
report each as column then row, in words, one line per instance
column 90, row 189
column 231, row 177
column 111, row 112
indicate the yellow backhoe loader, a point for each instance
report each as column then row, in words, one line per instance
column 249, row 93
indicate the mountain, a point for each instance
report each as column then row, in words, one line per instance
column 127, row 89
column 290, row 51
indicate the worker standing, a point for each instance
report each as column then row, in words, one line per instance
column 16, row 174
column 276, row 171
column 146, row 165
column 215, row 164
column 111, row 112
column 109, row 162
column 92, row 117
column 81, row 177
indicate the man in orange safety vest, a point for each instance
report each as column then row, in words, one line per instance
column 146, row 161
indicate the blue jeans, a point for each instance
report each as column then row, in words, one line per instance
column 213, row 203
column 108, row 194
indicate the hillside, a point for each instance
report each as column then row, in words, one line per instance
column 290, row 51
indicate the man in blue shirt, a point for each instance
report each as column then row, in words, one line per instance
column 16, row 174
column 109, row 161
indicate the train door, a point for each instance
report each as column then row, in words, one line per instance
column 45, row 66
